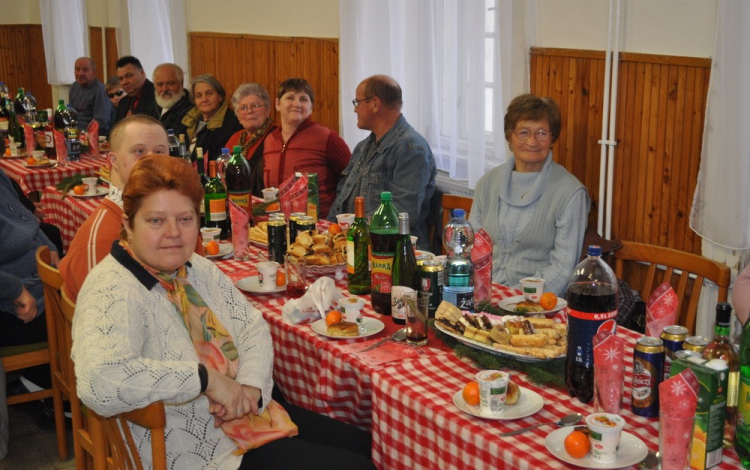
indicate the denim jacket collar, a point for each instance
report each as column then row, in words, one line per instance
column 390, row 137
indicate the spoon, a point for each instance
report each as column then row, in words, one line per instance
column 398, row 335
column 568, row 420
column 651, row 462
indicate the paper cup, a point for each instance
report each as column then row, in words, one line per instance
column 532, row 288
column 604, row 435
column 267, row 275
column 210, row 233
column 345, row 220
column 89, row 184
column 493, row 386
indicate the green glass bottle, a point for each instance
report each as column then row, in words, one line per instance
column 383, row 234
column 405, row 277
column 215, row 202
column 742, row 431
column 358, row 250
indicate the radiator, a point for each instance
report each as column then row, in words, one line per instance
column 449, row 185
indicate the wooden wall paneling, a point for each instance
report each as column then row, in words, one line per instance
column 37, row 67
column 22, row 61
column 96, row 51
column 111, row 52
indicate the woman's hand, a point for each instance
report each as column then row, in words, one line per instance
column 229, row 399
column 26, row 309
column 54, row 258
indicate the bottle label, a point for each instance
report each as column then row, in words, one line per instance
column 49, row 140
column 582, row 326
column 382, row 270
column 462, row 300
column 598, row 316
column 743, row 401
column 3, row 124
column 241, row 199
column 398, row 306
column 217, row 210
column 350, row 256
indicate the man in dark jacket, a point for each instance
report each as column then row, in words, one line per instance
column 172, row 100
column 140, row 90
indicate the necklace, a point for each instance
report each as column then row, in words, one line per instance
column 523, row 193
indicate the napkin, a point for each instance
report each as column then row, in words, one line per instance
column 661, row 310
column 60, row 147
column 609, row 371
column 314, row 304
column 29, row 138
column 240, row 220
column 386, row 352
column 481, row 256
column 93, row 135
column 678, row 398
column 293, row 195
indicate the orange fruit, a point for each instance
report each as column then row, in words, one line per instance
column 79, row 189
column 471, row 393
column 280, row 278
column 577, row 444
column 212, row 248
column 30, row 161
column 548, row 301
column 334, row 316
column 334, row 229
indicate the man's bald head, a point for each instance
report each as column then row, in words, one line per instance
column 385, row 88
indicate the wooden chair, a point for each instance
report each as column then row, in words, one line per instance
column 450, row 202
column 689, row 263
column 121, row 451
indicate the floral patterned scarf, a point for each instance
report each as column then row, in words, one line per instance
column 247, row 139
column 216, row 349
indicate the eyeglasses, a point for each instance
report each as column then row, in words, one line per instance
column 250, row 109
column 117, row 93
column 356, row 102
column 540, row 134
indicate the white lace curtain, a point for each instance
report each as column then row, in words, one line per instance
column 721, row 204
column 435, row 49
column 65, row 36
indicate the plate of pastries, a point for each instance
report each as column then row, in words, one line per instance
column 325, row 253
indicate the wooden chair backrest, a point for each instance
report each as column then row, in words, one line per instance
column 450, row 202
column 122, row 452
column 672, row 261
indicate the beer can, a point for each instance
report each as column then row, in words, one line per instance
column 305, row 222
column 293, row 225
column 696, row 343
column 673, row 337
column 648, row 366
column 422, row 257
column 431, row 280
column 276, row 238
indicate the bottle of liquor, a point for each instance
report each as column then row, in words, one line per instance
column 383, row 234
column 237, row 178
column 592, row 302
column 358, row 250
column 61, row 116
column 72, row 141
column 49, row 137
column 18, row 103
column 200, row 169
column 742, row 432
column 39, row 130
column 458, row 271
column 182, row 150
column 215, row 202
column 405, row 274
column 721, row 348
column 174, row 143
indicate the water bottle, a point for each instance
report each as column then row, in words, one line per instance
column 592, row 307
column 221, row 163
column 458, row 271
column 174, row 144
column 29, row 104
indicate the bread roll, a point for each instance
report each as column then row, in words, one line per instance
column 512, row 394
column 321, row 248
column 343, row 328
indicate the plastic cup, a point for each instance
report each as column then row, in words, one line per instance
column 605, row 430
column 38, row 155
column 269, row 194
column 267, row 271
column 345, row 220
column 532, row 288
column 89, row 184
column 493, row 386
column 210, row 233
column 296, row 276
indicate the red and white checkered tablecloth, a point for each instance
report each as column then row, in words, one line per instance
column 36, row 179
column 68, row 214
column 415, row 424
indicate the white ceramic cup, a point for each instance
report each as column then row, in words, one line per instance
column 267, row 275
column 269, row 194
column 345, row 220
column 532, row 288
column 90, row 185
column 210, row 233
column 39, row 155
column 605, row 430
column 493, row 386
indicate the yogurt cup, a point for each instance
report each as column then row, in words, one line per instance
column 493, row 386
column 269, row 194
column 267, row 271
column 345, row 220
column 39, row 155
column 210, row 233
column 605, row 430
column 532, row 288
column 352, row 307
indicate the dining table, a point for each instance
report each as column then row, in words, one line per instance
column 69, row 212
column 32, row 178
column 404, row 395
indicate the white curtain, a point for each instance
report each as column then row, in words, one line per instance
column 435, row 49
column 65, row 36
column 721, row 204
column 157, row 33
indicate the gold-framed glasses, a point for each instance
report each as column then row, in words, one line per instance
column 540, row 134
column 244, row 109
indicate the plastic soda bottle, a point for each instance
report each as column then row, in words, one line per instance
column 383, row 235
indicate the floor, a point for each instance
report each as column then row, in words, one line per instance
column 33, row 443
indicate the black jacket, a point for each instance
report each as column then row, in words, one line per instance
column 145, row 105
column 171, row 119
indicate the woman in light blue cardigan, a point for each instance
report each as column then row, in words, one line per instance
column 534, row 209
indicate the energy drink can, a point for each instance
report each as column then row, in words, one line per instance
column 276, row 238
column 431, row 281
column 673, row 337
column 648, row 367
column 293, row 225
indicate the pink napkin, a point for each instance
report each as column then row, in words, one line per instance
column 481, row 256
column 240, row 220
column 242, row 274
column 609, row 371
column 293, row 195
column 678, row 398
column 60, row 148
column 29, row 138
column 93, row 135
column 661, row 310
column 386, row 352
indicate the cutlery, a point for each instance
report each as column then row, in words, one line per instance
column 568, row 420
column 399, row 335
column 651, row 462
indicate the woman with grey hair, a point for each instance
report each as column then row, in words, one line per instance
column 252, row 105
column 210, row 123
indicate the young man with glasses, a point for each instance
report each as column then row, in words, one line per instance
column 393, row 158
column 88, row 97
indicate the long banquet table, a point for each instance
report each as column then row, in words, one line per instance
column 69, row 213
column 36, row 179
column 407, row 403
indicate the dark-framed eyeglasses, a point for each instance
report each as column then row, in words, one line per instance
column 250, row 109
column 356, row 102
column 117, row 93
column 540, row 134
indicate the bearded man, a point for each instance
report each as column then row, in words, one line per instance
column 172, row 100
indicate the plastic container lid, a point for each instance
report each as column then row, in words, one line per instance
column 594, row 250
column 459, row 213
column 385, row 196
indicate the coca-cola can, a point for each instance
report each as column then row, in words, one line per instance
column 648, row 368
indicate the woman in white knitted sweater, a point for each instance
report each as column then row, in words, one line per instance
column 534, row 210
column 156, row 322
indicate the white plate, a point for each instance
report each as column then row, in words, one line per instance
column 632, row 450
column 46, row 165
column 509, row 304
column 257, row 243
column 490, row 349
column 372, row 327
column 528, row 403
column 422, row 252
column 100, row 191
column 224, row 250
column 21, row 154
column 250, row 284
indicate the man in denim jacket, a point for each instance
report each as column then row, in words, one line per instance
column 394, row 157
